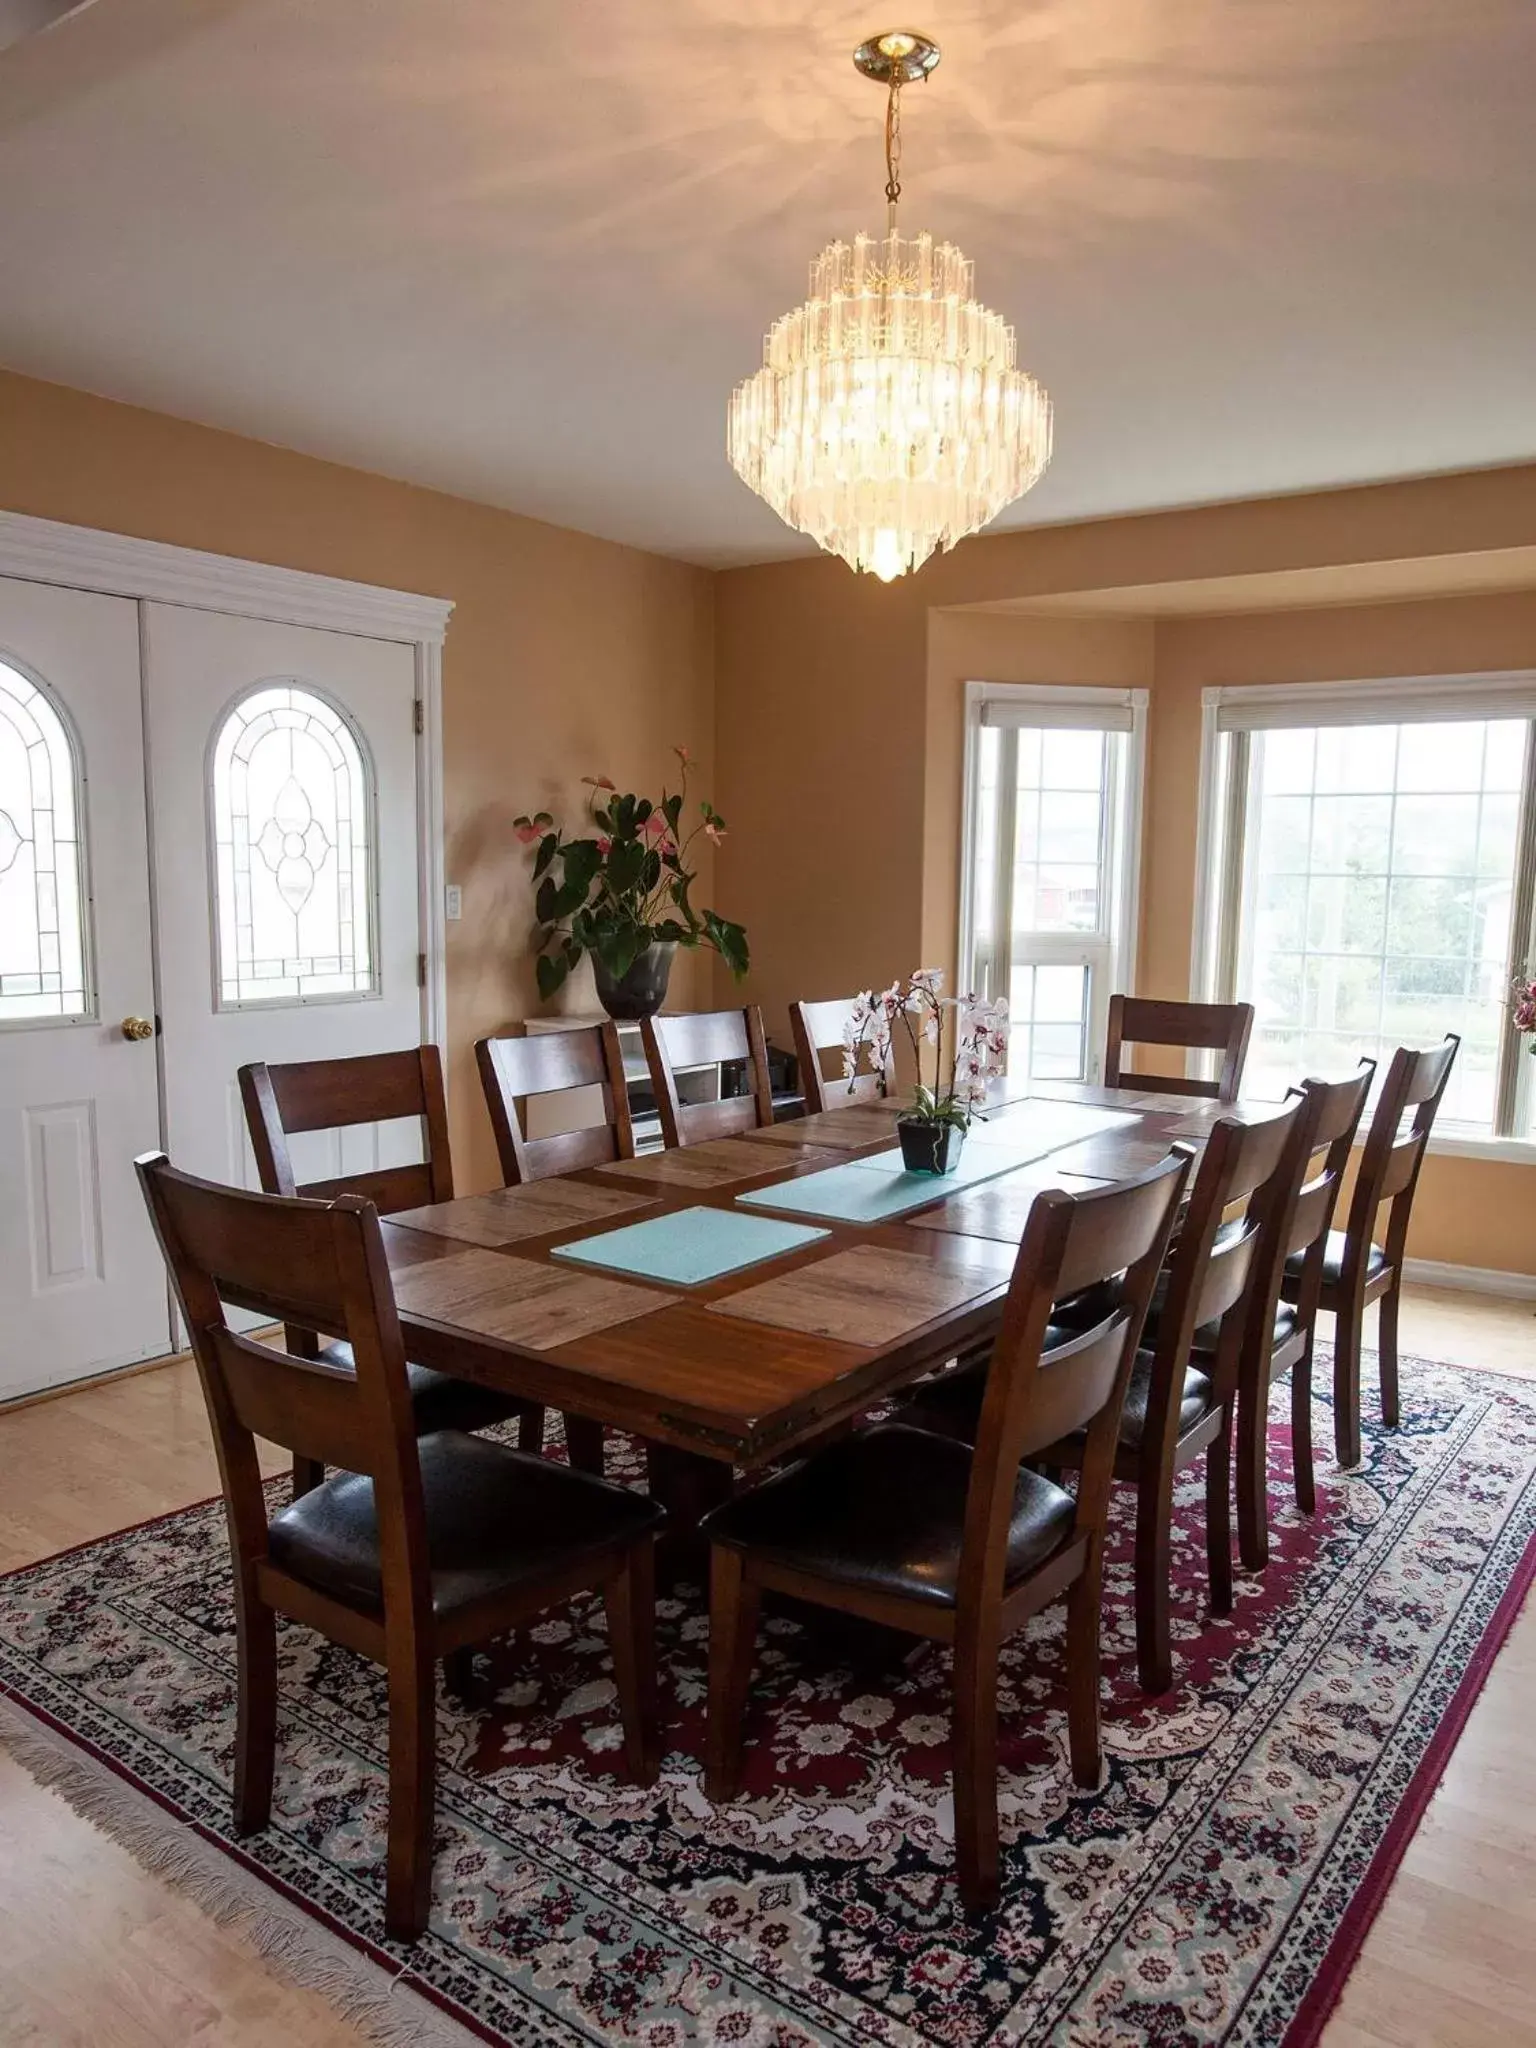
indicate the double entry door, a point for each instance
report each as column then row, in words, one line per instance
column 208, row 855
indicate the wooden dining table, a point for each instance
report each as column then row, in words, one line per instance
column 729, row 1374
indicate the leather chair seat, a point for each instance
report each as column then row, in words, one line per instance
column 494, row 1517
column 951, row 1403
column 884, row 1511
column 1196, row 1401
column 438, row 1400
column 1333, row 1262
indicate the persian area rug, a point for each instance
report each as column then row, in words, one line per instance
column 1214, row 1890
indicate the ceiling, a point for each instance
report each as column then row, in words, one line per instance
column 521, row 250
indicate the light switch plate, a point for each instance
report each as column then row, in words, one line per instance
column 453, row 900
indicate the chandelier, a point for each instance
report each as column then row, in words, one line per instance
column 890, row 417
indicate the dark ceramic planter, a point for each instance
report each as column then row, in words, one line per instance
column 929, row 1148
column 639, row 993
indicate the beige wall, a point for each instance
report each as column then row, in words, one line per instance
column 835, row 685
column 565, row 655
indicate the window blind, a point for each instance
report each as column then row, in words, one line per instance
column 1402, row 701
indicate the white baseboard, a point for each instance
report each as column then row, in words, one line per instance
column 1471, row 1279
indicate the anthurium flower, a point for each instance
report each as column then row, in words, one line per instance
column 528, row 832
column 599, row 782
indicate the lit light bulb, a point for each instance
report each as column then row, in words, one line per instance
column 886, row 557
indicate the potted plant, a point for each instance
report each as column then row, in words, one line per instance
column 932, row 1129
column 1524, row 1009
column 621, row 893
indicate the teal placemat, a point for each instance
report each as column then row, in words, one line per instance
column 874, row 1190
column 689, row 1246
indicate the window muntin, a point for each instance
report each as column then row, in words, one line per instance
column 294, row 851
column 43, row 952
column 1050, row 806
column 1371, row 898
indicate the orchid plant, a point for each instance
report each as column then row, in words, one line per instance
column 975, row 1029
column 624, row 885
column 1523, row 1008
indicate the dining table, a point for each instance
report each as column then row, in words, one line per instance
column 732, row 1302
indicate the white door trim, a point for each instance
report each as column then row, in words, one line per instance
column 122, row 565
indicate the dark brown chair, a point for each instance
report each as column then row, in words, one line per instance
column 1356, row 1270
column 1294, row 1224
column 329, row 1095
column 916, row 1532
column 513, row 1069
column 818, row 1029
column 1209, row 1027
column 1175, row 1409
column 708, row 1038
column 414, row 1552
column 516, row 1069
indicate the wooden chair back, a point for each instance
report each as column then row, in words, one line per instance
column 513, row 1069
column 707, row 1038
column 332, row 1095
column 818, row 1029
column 1392, row 1155
column 1213, row 1271
column 320, row 1265
column 1037, row 1391
column 1303, row 1214
column 1207, row 1027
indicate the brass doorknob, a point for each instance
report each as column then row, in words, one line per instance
column 138, row 1027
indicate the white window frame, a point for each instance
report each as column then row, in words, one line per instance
column 1393, row 700
column 1076, row 707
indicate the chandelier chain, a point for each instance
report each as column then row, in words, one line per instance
column 893, row 148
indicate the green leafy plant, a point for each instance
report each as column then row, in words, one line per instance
column 625, row 884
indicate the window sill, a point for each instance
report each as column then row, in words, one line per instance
column 1509, row 1151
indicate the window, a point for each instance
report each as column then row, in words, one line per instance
column 1372, row 860
column 42, row 894
column 1053, row 788
column 293, row 839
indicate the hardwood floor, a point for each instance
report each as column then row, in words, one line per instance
column 1450, row 1962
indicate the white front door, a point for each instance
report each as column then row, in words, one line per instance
column 283, row 807
column 82, row 1287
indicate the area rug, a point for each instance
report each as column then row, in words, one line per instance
column 1214, row 1890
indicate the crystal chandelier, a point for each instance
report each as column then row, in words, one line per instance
column 890, row 417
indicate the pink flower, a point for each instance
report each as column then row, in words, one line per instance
column 529, row 833
column 714, row 832
column 656, row 827
column 598, row 782
column 683, row 755
column 604, row 845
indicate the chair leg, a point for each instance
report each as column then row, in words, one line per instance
column 584, row 1444
column 256, row 1716
column 308, row 1473
column 530, row 1430
column 630, row 1599
column 1154, row 1564
column 412, row 1794
column 733, row 1605
column 1346, row 1384
column 1301, row 1431
column 974, row 1743
column 1386, row 1340
column 1252, row 1478
column 1218, row 1513
column 1083, row 1605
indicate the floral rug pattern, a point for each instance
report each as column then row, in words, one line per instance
column 1191, row 1900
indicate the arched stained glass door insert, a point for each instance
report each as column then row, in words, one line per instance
column 293, row 838
column 43, row 953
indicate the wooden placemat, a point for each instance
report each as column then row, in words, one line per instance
column 1112, row 1158
column 1000, row 1208
column 845, row 1130
column 513, row 1213
column 717, row 1163
column 869, row 1295
column 536, row 1306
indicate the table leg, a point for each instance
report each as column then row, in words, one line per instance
column 687, row 1486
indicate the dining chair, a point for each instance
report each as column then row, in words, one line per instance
column 522, row 1068
column 818, row 1029
column 1356, row 1270
column 417, row 1549
column 1208, row 1027
column 914, row 1531
column 337, row 1095
column 1296, row 1217
column 1175, row 1409
column 708, row 1038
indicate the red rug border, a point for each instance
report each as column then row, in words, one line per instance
column 1327, row 1987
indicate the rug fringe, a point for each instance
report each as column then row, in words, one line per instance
column 383, row 2008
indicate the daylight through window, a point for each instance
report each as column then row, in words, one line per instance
column 42, row 895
